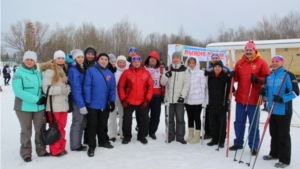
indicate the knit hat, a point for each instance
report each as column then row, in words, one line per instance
column 90, row 50
column 215, row 55
column 100, row 55
column 279, row 58
column 132, row 49
column 121, row 57
column 176, row 54
column 250, row 45
column 59, row 53
column 30, row 55
column 76, row 53
column 112, row 57
column 218, row 63
column 136, row 57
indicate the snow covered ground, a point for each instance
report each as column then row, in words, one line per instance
column 155, row 155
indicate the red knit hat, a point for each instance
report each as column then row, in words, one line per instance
column 250, row 45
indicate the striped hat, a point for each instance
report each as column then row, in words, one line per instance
column 279, row 58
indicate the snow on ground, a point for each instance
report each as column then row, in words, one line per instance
column 155, row 155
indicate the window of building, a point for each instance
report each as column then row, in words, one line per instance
column 263, row 50
column 286, row 49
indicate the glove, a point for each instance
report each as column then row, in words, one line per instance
column 277, row 99
column 168, row 74
column 83, row 111
column 144, row 104
column 66, row 90
column 41, row 101
column 124, row 104
column 180, row 100
column 262, row 92
column 206, row 73
column 254, row 79
column 112, row 106
column 231, row 74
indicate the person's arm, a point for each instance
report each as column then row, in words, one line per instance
column 122, row 86
column 290, row 95
column 186, row 83
column 88, row 80
column 112, row 89
column 76, row 88
column 294, row 83
column 17, row 85
column 149, row 87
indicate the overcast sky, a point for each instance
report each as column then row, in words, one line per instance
column 199, row 18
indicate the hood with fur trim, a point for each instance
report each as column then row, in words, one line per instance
column 49, row 65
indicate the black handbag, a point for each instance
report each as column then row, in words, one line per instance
column 52, row 134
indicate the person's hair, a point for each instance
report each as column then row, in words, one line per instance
column 190, row 59
column 56, row 76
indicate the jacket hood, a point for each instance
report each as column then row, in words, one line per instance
column 197, row 63
column 156, row 56
column 49, row 65
column 86, row 62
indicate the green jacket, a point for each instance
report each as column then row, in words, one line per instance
column 27, row 86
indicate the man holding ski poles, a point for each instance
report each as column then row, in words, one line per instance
column 282, row 111
column 250, row 72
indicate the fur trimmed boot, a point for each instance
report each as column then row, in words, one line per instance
column 191, row 134
column 196, row 138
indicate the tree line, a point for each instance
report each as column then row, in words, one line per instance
column 124, row 34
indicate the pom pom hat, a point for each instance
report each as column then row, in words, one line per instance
column 250, row 45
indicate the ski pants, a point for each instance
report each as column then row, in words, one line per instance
column 176, row 110
column 155, row 109
column 207, row 129
column 78, row 125
column 112, row 121
column 217, row 125
column 240, row 122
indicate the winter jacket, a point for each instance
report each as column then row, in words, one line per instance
column 198, row 92
column 218, row 89
column 86, row 62
column 155, row 73
column 135, row 86
column 244, row 69
column 27, row 87
column 178, row 83
column 97, row 90
column 117, row 77
column 75, row 78
column 60, row 102
column 6, row 71
column 287, row 93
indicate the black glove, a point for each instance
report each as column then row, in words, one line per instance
column 168, row 74
column 112, row 106
column 278, row 99
column 41, row 101
column 254, row 79
column 231, row 74
column 180, row 100
column 206, row 73
column 262, row 92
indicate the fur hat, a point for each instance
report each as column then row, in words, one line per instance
column 112, row 57
column 76, row 53
column 250, row 45
column 59, row 53
column 29, row 55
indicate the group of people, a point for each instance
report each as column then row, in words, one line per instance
column 99, row 88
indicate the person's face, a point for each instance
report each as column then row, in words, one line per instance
column 90, row 56
column 176, row 60
column 103, row 61
column 217, row 69
column 132, row 53
column 249, row 53
column 192, row 64
column 276, row 64
column 136, row 63
column 121, row 64
column 29, row 63
column 80, row 59
column 60, row 60
column 152, row 61
column 214, row 59
column 113, row 63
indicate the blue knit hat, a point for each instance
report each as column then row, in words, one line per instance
column 132, row 49
column 214, row 55
column 136, row 57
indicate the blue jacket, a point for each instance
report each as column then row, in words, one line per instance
column 96, row 92
column 76, row 81
column 272, row 86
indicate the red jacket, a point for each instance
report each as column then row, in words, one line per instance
column 244, row 69
column 135, row 86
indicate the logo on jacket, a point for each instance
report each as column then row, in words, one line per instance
column 281, row 77
column 253, row 66
column 107, row 78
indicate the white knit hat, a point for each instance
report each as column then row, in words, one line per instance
column 121, row 57
column 76, row 53
column 59, row 53
column 30, row 55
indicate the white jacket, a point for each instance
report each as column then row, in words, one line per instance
column 198, row 93
column 118, row 74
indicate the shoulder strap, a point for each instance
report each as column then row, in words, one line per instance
column 104, row 80
column 51, row 107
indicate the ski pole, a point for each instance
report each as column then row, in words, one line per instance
column 296, row 113
column 229, row 112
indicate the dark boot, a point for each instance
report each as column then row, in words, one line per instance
column 234, row 147
column 212, row 142
column 143, row 140
column 153, row 136
column 91, row 152
column 126, row 140
column 106, row 145
column 81, row 148
column 27, row 159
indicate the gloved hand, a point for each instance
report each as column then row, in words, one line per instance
column 124, row 104
column 204, row 105
column 277, row 99
column 66, row 90
column 206, row 73
column 180, row 100
column 231, row 74
column 144, row 104
column 112, row 106
column 41, row 101
column 254, row 79
column 83, row 110
column 262, row 92
column 168, row 74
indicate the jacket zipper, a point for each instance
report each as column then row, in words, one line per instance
column 38, row 88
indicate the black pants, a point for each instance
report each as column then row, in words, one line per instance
column 155, row 109
column 97, row 124
column 217, row 126
column 280, row 137
column 207, row 129
column 193, row 114
column 143, row 121
column 6, row 79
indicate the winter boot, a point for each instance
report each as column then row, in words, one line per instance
column 191, row 134
column 196, row 138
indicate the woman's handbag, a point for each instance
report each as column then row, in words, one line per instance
column 52, row 134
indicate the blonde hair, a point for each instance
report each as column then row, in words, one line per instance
column 57, row 75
